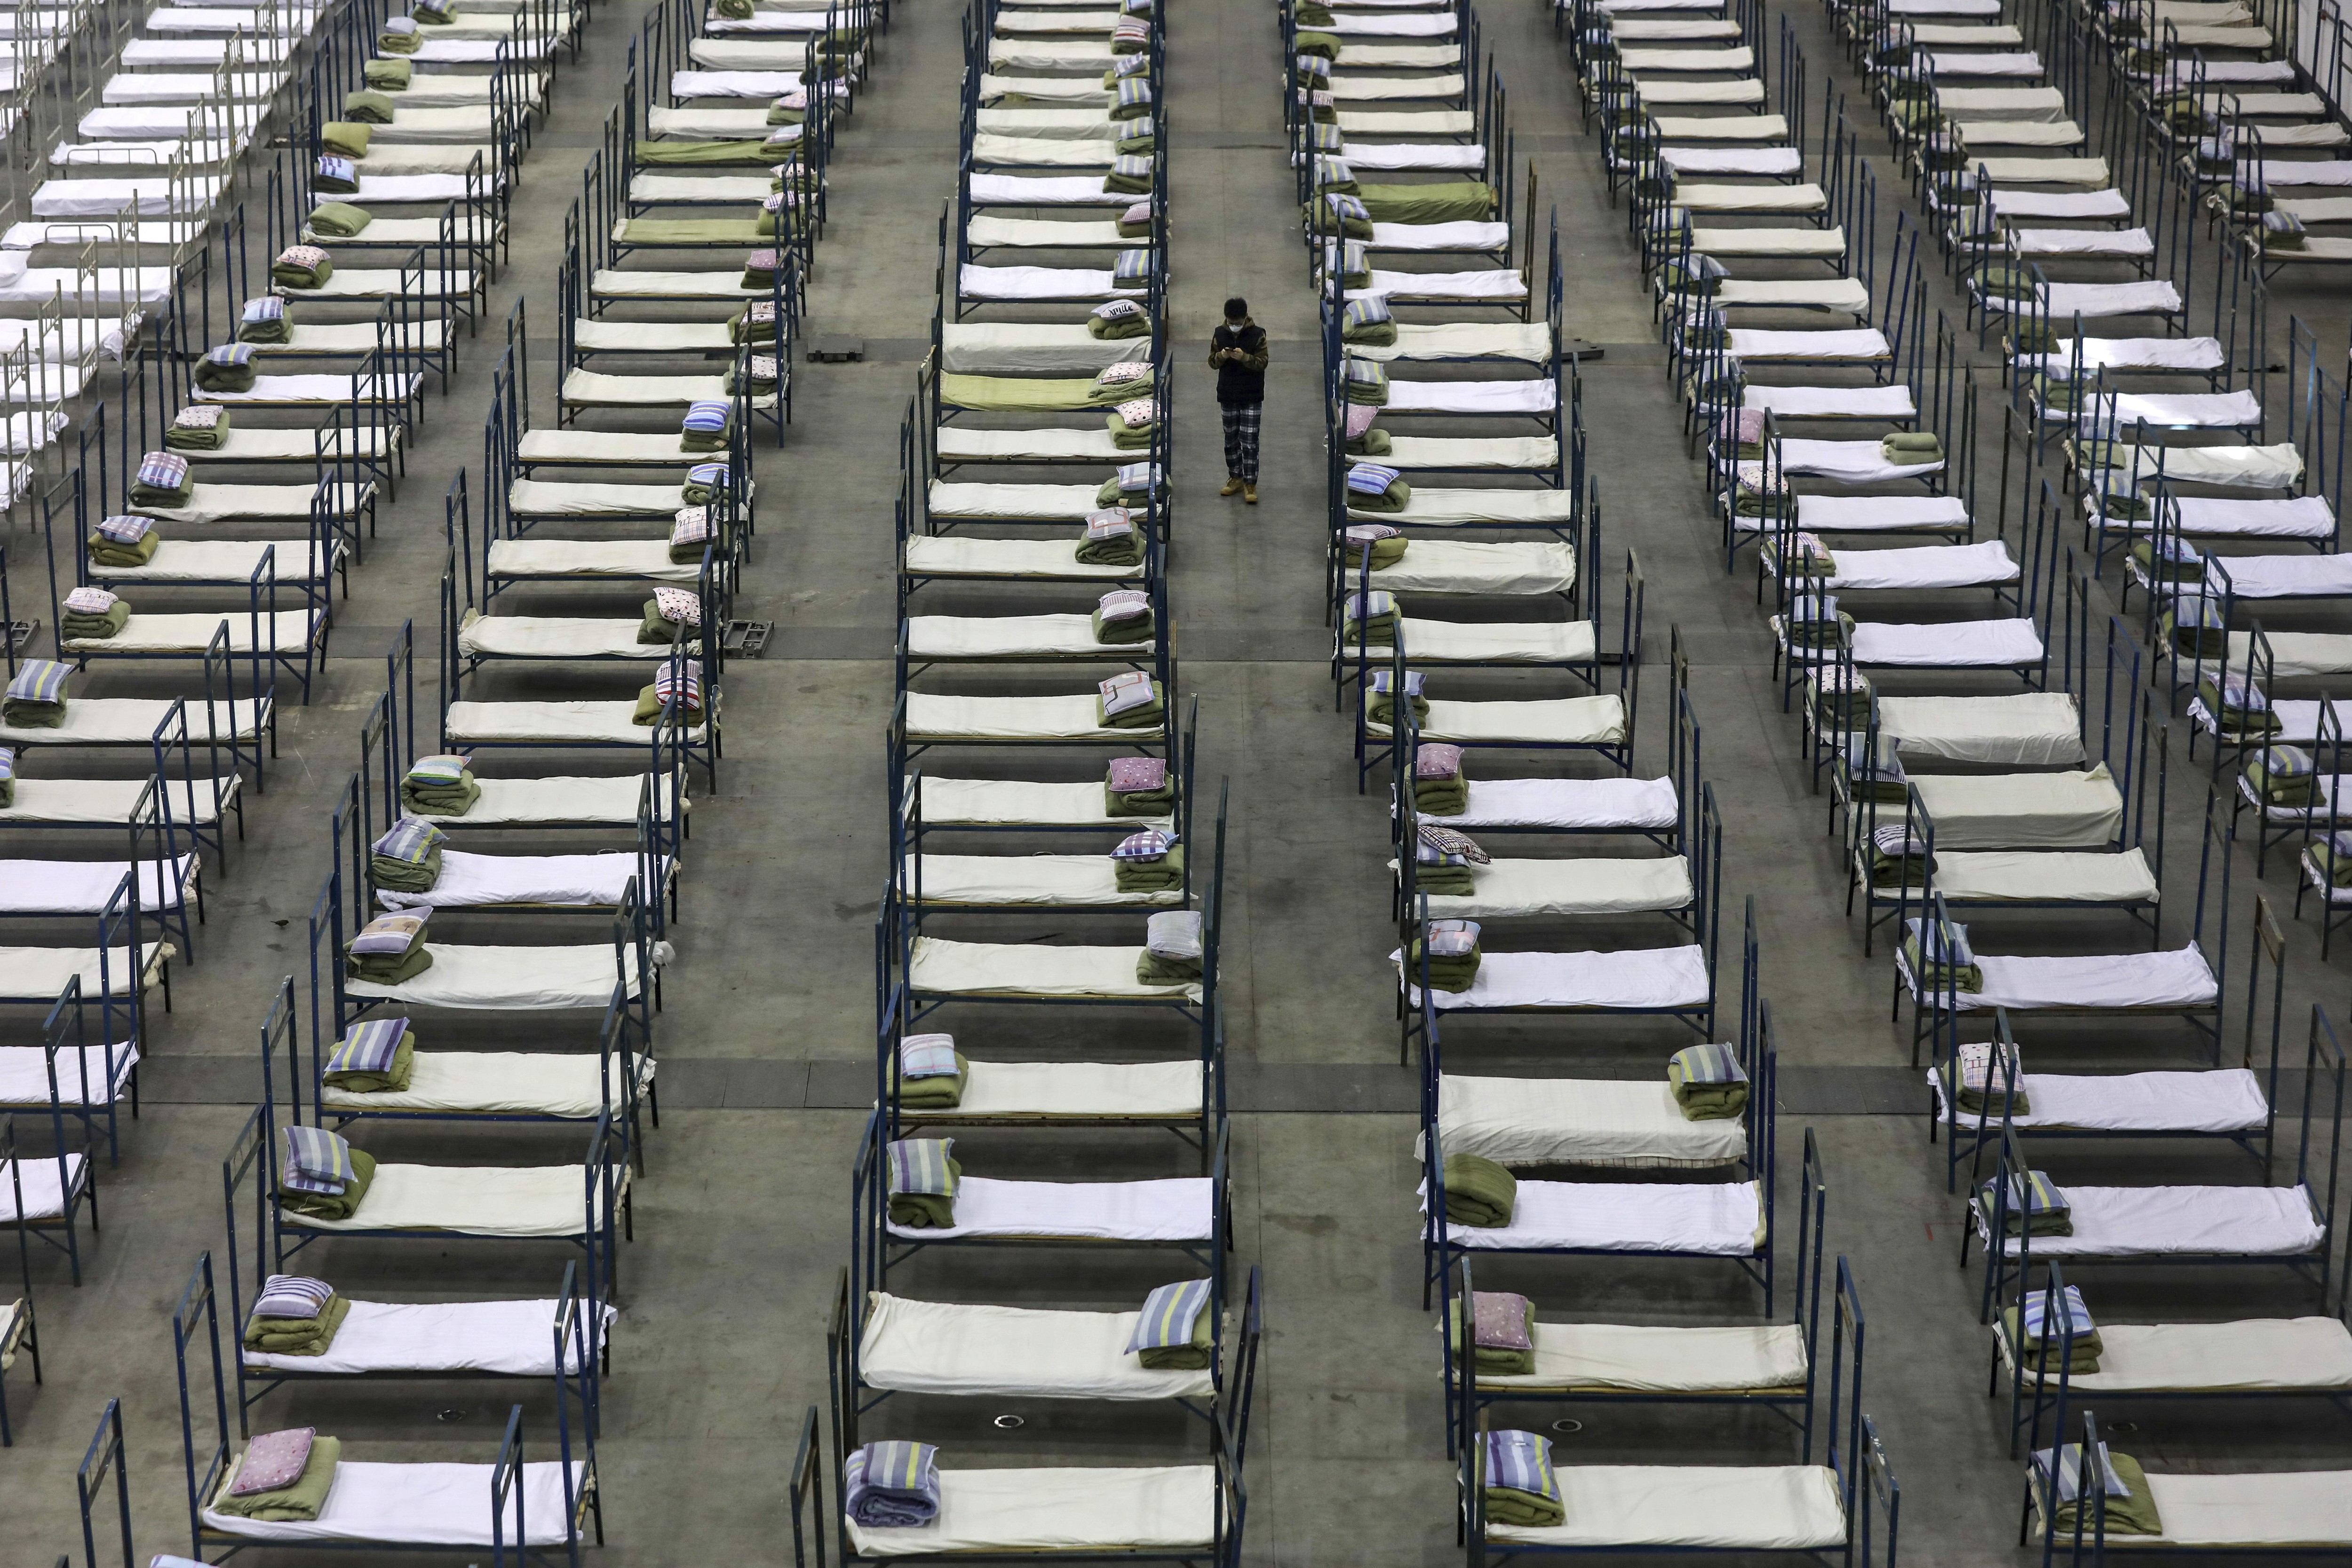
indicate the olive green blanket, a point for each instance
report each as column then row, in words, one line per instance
column 300, row 1501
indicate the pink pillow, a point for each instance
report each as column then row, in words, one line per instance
column 1138, row 775
column 1359, row 420
column 1435, row 759
column 1500, row 1320
column 273, row 1461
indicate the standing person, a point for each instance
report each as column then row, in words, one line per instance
column 1238, row 349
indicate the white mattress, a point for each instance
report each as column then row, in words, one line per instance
column 709, row 124
column 83, row 887
column 537, row 1084
column 2197, row 354
column 555, row 637
column 2088, row 172
column 1987, row 105
column 221, row 503
column 1026, row 348
column 1772, row 198
column 615, row 283
column 44, row 1187
column 999, row 502
column 2253, row 1355
column 1854, row 344
column 988, row 151
column 1405, row 24
column 469, row 1200
column 603, row 446
column 2225, row 1099
column 1530, row 341
column 1488, row 643
column 1046, row 191
column 1880, row 514
column 2110, row 243
column 1009, row 802
column 1048, row 124
column 554, row 723
column 1844, row 294
column 1947, row 646
column 2175, row 411
column 963, row 444
column 2071, row 877
column 2291, row 653
column 285, row 630
column 937, row 1347
column 1558, row 721
column 563, row 882
column 1991, row 63
column 507, row 802
column 2296, row 576
column 1025, row 970
column 1043, row 880
column 1568, row 1121
column 1532, row 394
column 598, row 389
column 953, row 555
column 2295, row 1508
column 509, row 980
column 1756, row 160
column 1413, row 155
column 2152, row 297
column 1644, row 979
column 730, row 84
column 132, row 721
column 1566, row 804
column 1712, row 1219
column 995, row 89
column 1460, row 235
column 640, row 558
column 1432, row 507
column 1033, row 1091
column 1631, row 1358
column 1061, row 1509
column 1798, row 240
column 1775, row 1507
column 2276, row 467
column 38, row 973
column 544, row 498
column 1654, row 91
column 1847, row 462
column 82, row 1079
column 974, row 281
column 418, row 1504
column 2071, row 810
column 1493, row 283
column 1506, row 889
column 2058, row 204
column 1454, row 565
column 2037, row 729
column 1176, row 1208
column 983, row 230
column 1500, row 453
column 1925, row 566
column 514, row 1339
column 2169, row 1221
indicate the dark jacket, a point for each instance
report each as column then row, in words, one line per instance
column 1241, row 381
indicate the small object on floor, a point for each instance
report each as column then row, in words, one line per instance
column 833, row 347
column 1578, row 349
column 746, row 639
column 1233, row 488
column 20, row 634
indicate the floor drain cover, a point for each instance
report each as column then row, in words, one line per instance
column 833, row 347
column 449, row 1415
column 746, row 639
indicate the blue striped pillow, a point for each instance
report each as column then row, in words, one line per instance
column 1520, row 1461
column 1167, row 1316
column 316, row 1161
column 368, row 1048
column 39, row 680
column 920, row 1166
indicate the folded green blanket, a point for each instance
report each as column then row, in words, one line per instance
column 367, row 108
column 943, row 1093
column 2336, row 868
column 1127, row 551
column 1445, row 881
column 96, row 628
column 1380, row 708
column 1395, row 498
column 406, row 876
column 393, row 1080
column 2042, row 1355
column 294, row 276
column 707, row 440
column 1377, row 631
column 1136, row 629
column 2133, row 1515
column 333, row 1205
column 1895, row 871
column 1373, row 442
column 1163, row 875
column 2046, row 1223
column 733, row 10
column 339, row 220
column 1312, row 15
column 2170, row 568
column 1128, row 437
column 1110, row 494
column 1136, row 326
column 300, row 1501
column 1909, row 451
column 382, row 969
column 1706, row 1102
column 299, row 1336
column 1325, row 46
column 1147, row 715
column 1132, row 230
column 1988, row 1101
column 104, row 551
column 1318, row 219
column 211, row 377
column 1140, row 802
column 1380, row 334
column 1151, row 969
column 397, row 43
column 2198, row 641
column 1456, row 973
column 2238, row 720
column 1478, row 1192
column 440, row 803
column 280, row 331
column 1522, row 1510
column 178, row 438
column 926, row 1210
column 344, row 138
column 1191, row 1357
column 1490, row 1361
column 1442, row 800
column 1386, row 551
column 648, row 710
column 1820, row 633
column 1454, row 201
column 2301, row 790
column 387, row 76
column 31, row 715
column 1117, row 184
column 653, row 628
column 703, row 154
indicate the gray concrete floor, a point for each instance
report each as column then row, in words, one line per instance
column 741, row 1220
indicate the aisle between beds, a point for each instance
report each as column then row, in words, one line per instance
column 878, row 1345
column 538, row 1510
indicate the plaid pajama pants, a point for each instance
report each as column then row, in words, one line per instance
column 1240, row 439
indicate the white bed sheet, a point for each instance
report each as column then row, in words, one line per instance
column 1714, row 1220
column 1506, row 889
column 2224, row 1100
column 969, row 1349
column 1493, row 283
column 2026, row 730
column 44, row 1186
column 1880, row 514
column 1570, row 1121
column 1639, row 1358
column 1461, row 566
column 1175, row 1208
column 975, row 281
column 2251, row 1355
column 567, row 882
column 1947, row 644
column 940, row 968
column 541, row 1201
column 509, row 980
column 1765, row 1508
column 2071, row 811
column 83, row 887
column 1026, row 348
column 1923, row 567
column 1655, row 978
column 82, row 1079
column 2172, row 1221
column 1497, row 453
column 1058, row 1509
column 951, row 555
column 1046, row 191
column 284, row 631
column 1570, row 804
column 1532, row 394
column 1435, row 508
column 1852, row 344
column 417, row 1504
column 514, row 1339
column 487, row 1082
column 1044, row 882
column 1558, row 721
column 998, row 502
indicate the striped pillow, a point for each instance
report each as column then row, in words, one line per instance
column 268, row 308
column 39, row 680
column 291, row 1296
column 1167, row 1316
column 1143, row 847
column 389, row 935
column 368, row 1048
column 1124, row 605
column 411, row 841
column 316, row 1161
column 928, row 1056
column 1134, row 90
column 88, row 600
column 691, row 525
column 1371, row 478
column 231, row 354
column 126, row 529
column 920, row 1166
column 163, row 470
column 1705, row 1065
column 1364, row 312
column 1520, row 1461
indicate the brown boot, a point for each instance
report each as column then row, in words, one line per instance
column 1232, row 486
column 1249, row 493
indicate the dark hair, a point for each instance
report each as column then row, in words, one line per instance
column 1236, row 308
